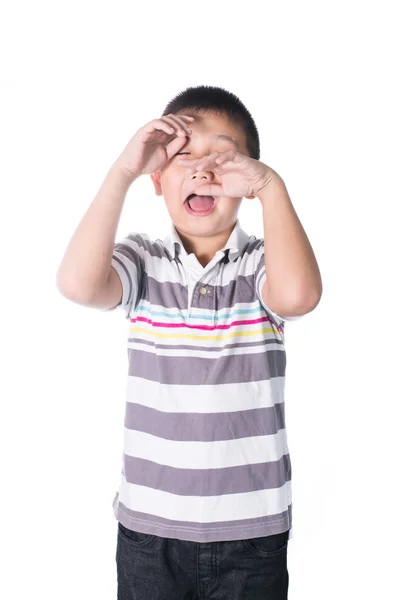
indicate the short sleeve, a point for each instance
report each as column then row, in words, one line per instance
column 127, row 261
column 260, row 279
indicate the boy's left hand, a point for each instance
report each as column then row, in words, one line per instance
column 240, row 175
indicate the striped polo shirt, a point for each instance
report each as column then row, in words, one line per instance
column 205, row 454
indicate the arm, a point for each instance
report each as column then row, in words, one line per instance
column 86, row 266
column 294, row 285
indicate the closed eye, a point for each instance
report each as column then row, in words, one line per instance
column 183, row 153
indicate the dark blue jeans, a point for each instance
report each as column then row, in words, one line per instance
column 157, row 568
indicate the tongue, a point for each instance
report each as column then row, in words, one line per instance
column 201, row 202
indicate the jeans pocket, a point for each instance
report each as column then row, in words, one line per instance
column 268, row 545
column 135, row 538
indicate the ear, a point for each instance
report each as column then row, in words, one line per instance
column 156, row 179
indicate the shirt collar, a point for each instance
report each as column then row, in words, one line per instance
column 235, row 244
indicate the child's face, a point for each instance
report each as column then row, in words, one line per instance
column 175, row 182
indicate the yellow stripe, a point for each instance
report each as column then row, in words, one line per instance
column 190, row 336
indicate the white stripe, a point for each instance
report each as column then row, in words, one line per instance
column 205, row 455
column 201, row 509
column 227, row 397
column 202, row 339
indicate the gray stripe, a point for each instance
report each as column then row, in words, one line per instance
column 157, row 249
column 186, row 370
column 208, row 482
column 205, row 427
column 169, row 294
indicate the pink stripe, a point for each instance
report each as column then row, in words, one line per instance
column 202, row 327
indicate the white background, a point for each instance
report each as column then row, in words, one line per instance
column 321, row 81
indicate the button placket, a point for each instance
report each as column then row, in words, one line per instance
column 201, row 288
column 194, row 297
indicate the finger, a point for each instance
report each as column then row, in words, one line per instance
column 180, row 116
column 174, row 146
column 198, row 160
column 234, row 162
column 193, row 168
column 184, row 118
column 216, row 170
column 158, row 125
column 182, row 123
column 210, row 158
column 205, row 165
column 209, row 189
column 175, row 128
column 217, row 157
column 201, row 163
column 179, row 125
column 226, row 163
column 229, row 155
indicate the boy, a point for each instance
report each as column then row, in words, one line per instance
column 204, row 504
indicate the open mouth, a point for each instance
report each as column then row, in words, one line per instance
column 199, row 206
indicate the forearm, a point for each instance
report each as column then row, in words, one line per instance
column 293, row 276
column 87, row 260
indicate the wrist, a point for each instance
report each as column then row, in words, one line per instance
column 121, row 171
column 272, row 182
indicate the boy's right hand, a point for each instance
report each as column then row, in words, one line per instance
column 154, row 144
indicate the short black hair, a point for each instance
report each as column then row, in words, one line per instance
column 211, row 99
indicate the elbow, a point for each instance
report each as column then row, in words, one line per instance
column 70, row 292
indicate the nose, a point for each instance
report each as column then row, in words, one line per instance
column 203, row 175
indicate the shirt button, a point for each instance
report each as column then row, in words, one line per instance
column 203, row 290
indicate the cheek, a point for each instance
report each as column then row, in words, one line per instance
column 172, row 179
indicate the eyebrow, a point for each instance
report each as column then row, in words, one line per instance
column 219, row 136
